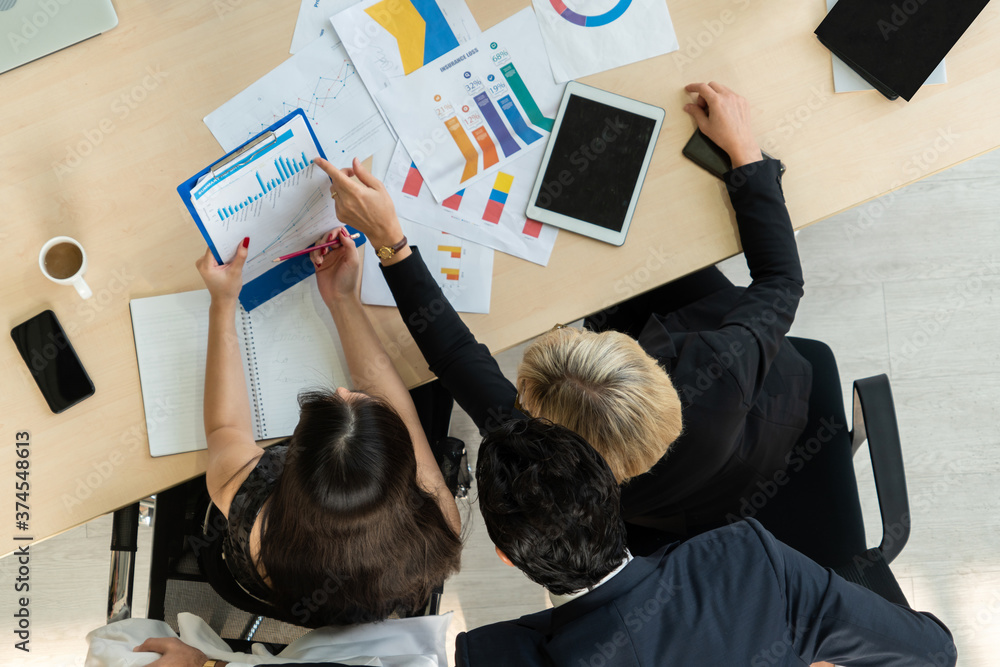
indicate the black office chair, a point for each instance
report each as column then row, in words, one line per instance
column 185, row 549
column 817, row 510
column 814, row 505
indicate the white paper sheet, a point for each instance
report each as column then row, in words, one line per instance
column 474, row 110
column 322, row 81
column 463, row 269
column 386, row 39
column 314, row 21
column 500, row 225
column 586, row 36
column 846, row 80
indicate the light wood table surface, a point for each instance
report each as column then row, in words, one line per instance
column 94, row 140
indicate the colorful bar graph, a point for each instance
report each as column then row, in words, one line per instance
column 507, row 143
column 489, row 148
column 454, row 250
column 516, row 121
column 498, row 197
column 524, row 97
column 451, row 274
column 532, row 228
column 454, row 201
column 413, row 182
column 464, row 145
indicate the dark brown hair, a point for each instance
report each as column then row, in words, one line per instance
column 348, row 536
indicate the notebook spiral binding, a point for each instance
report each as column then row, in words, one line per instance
column 254, row 374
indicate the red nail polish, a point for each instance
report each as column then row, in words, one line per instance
column 246, row 241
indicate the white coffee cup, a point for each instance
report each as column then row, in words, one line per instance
column 76, row 279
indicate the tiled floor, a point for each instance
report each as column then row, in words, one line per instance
column 907, row 285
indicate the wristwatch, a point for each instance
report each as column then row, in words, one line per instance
column 387, row 252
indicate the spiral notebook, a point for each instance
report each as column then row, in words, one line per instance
column 288, row 344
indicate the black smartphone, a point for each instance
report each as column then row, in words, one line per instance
column 706, row 154
column 52, row 361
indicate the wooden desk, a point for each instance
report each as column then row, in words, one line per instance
column 96, row 138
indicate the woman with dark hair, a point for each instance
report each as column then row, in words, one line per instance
column 350, row 519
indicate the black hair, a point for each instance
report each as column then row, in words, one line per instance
column 551, row 504
column 348, row 536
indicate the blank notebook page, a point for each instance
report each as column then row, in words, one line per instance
column 171, row 340
column 296, row 348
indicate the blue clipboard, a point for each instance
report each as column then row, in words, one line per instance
column 283, row 275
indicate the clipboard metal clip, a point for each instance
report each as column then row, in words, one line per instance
column 233, row 159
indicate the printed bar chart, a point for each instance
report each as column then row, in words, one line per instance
column 414, row 181
column 285, row 168
column 516, row 121
column 454, row 201
column 464, row 145
column 489, row 148
column 453, row 250
column 532, row 228
column 498, row 197
column 507, row 143
column 451, row 274
column 523, row 96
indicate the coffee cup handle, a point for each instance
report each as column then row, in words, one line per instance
column 82, row 288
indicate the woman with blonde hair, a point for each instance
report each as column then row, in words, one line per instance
column 690, row 392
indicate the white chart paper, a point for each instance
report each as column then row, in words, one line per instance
column 584, row 37
column 387, row 39
column 322, row 81
column 314, row 20
column 472, row 111
column 489, row 212
column 463, row 269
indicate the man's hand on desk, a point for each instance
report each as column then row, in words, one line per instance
column 724, row 117
column 365, row 204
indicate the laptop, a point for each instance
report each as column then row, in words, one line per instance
column 30, row 29
column 896, row 44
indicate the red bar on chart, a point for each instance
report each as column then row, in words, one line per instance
column 413, row 182
column 490, row 157
column 451, row 274
column 532, row 228
column 454, row 201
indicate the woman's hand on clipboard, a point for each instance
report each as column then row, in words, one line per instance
column 364, row 203
column 224, row 281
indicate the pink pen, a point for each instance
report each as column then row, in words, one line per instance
column 332, row 244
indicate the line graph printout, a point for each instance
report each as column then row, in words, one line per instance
column 463, row 269
column 274, row 195
column 388, row 39
column 322, row 81
column 477, row 213
column 584, row 37
column 477, row 108
column 314, row 21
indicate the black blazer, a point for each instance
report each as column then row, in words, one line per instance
column 744, row 389
column 732, row 596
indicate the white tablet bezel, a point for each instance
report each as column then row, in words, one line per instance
column 575, row 224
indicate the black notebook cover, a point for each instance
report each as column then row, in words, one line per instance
column 896, row 42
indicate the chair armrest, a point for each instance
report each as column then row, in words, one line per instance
column 124, row 542
column 875, row 420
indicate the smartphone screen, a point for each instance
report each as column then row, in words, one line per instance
column 52, row 361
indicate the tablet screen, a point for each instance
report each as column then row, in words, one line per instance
column 595, row 163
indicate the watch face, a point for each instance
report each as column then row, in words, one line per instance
column 385, row 252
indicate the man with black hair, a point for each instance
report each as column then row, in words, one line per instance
column 731, row 596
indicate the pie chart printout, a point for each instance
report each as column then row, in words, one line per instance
column 607, row 17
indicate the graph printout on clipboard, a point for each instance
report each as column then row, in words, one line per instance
column 274, row 194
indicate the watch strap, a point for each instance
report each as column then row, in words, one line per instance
column 387, row 252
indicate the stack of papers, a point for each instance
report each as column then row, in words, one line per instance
column 464, row 114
